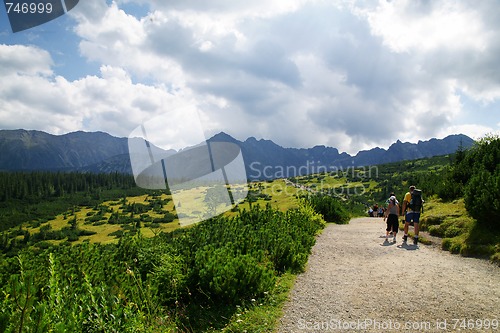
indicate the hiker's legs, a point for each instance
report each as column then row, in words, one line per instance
column 395, row 227
column 416, row 220
column 392, row 225
column 407, row 223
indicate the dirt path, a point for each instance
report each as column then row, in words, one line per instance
column 356, row 282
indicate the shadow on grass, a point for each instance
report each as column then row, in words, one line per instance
column 205, row 316
column 252, row 315
column 479, row 241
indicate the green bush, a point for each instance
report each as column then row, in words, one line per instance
column 476, row 174
column 432, row 220
column 436, row 230
column 452, row 245
column 448, row 188
column 167, row 218
column 232, row 277
column 452, row 231
column 169, row 278
column 331, row 208
column 117, row 233
column 35, row 223
column 82, row 232
column 481, row 198
column 43, row 245
column 94, row 218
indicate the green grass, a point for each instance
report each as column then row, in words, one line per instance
column 282, row 195
column 263, row 316
column 460, row 232
column 335, row 184
column 249, row 316
column 103, row 231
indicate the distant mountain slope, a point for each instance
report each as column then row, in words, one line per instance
column 264, row 159
column 400, row 151
column 29, row 150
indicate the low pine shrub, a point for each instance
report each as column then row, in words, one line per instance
column 331, row 208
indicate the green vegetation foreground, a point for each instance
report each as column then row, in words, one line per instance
column 192, row 279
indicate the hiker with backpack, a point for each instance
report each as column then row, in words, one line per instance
column 412, row 207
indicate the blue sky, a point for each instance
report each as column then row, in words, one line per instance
column 347, row 74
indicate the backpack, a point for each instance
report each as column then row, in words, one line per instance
column 416, row 201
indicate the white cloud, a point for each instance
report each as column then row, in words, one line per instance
column 111, row 102
column 422, row 26
column 472, row 130
column 450, row 39
column 218, row 8
column 298, row 72
column 27, row 60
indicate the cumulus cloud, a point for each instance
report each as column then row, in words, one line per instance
column 24, row 60
column 349, row 74
column 451, row 40
column 472, row 130
column 109, row 102
column 409, row 25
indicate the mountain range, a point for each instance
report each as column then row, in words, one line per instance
column 24, row 150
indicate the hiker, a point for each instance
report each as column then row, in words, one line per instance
column 392, row 215
column 381, row 211
column 375, row 210
column 412, row 206
column 391, row 195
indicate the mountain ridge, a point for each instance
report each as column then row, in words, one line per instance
column 25, row 150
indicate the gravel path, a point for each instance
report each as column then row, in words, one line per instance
column 356, row 282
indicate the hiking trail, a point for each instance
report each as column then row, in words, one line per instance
column 355, row 281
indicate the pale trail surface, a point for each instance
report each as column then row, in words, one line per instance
column 355, row 281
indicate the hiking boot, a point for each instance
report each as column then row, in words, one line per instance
column 405, row 238
column 415, row 240
column 394, row 239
